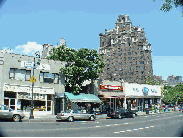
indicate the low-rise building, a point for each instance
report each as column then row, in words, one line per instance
column 174, row 80
column 16, row 89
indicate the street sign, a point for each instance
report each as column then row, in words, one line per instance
column 33, row 79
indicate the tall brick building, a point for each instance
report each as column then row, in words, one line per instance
column 126, row 52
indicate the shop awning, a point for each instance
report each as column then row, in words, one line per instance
column 82, row 97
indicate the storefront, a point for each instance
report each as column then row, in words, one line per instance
column 112, row 97
column 19, row 97
column 142, row 96
column 86, row 102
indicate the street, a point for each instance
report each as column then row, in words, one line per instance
column 158, row 125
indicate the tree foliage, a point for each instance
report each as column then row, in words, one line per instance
column 168, row 4
column 152, row 81
column 83, row 64
column 172, row 94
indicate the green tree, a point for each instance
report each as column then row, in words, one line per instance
column 152, row 81
column 168, row 4
column 83, row 64
column 172, row 94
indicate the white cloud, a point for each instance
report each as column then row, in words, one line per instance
column 30, row 48
column 6, row 49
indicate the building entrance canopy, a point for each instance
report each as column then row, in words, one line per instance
column 82, row 97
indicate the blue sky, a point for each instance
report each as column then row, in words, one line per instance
column 25, row 25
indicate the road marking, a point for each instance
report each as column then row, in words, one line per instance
column 116, row 132
column 116, row 124
column 129, row 130
column 135, row 129
column 96, row 122
column 157, row 116
column 145, row 116
column 180, row 115
column 97, row 126
column 125, row 123
column 140, row 128
column 146, row 127
column 151, row 126
column 122, row 131
column 107, row 125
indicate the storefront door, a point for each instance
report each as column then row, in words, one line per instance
column 10, row 102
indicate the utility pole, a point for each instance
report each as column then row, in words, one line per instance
column 33, row 80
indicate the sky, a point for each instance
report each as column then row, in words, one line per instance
column 26, row 25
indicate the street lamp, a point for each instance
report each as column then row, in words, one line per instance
column 37, row 54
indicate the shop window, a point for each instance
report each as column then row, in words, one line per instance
column 10, row 94
column 41, row 77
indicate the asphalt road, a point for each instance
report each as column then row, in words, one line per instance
column 160, row 125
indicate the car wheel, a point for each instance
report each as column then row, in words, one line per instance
column 16, row 118
column 70, row 119
column 133, row 115
column 119, row 116
column 92, row 118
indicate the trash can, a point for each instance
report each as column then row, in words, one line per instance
column 147, row 111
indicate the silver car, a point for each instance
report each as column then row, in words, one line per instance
column 8, row 113
column 71, row 115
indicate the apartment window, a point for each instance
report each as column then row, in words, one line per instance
column 125, row 73
column 108, row 50
column 136, row 58
column 142, row 72
column 130, row 63
column 113, row 45
column 140, row 47
column 147, row 51
column 131, row 73
column 121, row 73
column 141, row 62
column 125, row 49
column 120, row 54
column 108, row 69
column 108, row 60
column 129, row 53
column 148, row 67
column 130, row 68
column 136, row 72
column 120, row 64
column 135, row 53
column 141, row 57
column 136, row 62
column 120, row 59
column 114, row 54
column 141, row 52
column 108, row 65
column 129, row 58
column 124, row 44
column 108, row 55
column 136, row 68
column 124, row 58
column 147, row 62
column 124, row 54
column 142, row 67
column 19, row 74
column 12, row 73
column 28, row 75
column 116, row 69
column 47, row 77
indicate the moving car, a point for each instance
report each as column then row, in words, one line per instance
column 71, row 115
column 122, row 113
column 7, row 113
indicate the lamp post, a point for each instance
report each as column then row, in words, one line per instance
column 33, row 80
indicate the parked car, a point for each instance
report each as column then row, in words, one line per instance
column 71, row 115
column 7, row 113
column 122, row 113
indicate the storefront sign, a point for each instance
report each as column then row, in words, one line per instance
column 110, row 87
column 145, row 91
column 28, row 89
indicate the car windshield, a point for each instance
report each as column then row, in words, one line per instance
column 4, row 107
column 68, row 111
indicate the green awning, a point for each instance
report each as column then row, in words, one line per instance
column 82, row 97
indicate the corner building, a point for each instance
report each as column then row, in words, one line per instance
column 16, row 89
column 126, row 52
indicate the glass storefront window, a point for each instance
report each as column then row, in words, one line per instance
column 48, row 105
